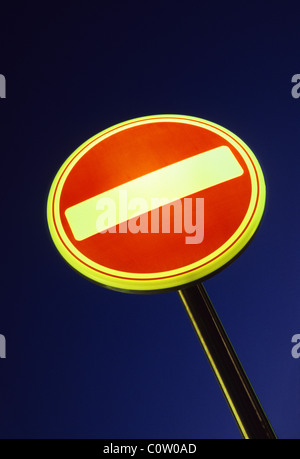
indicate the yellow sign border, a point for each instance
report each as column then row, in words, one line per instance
column 167, row 280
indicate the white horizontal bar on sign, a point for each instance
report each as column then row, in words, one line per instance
column 169, row 183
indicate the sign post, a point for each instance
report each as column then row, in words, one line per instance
column 161, row 203
column 237, row 390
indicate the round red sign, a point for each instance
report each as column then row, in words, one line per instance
column 156, row 203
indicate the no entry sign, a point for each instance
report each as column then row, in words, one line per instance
column 156, row 203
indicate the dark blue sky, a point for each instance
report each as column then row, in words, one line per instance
column 83, row 361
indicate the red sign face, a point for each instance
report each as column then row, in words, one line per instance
column 156, row 203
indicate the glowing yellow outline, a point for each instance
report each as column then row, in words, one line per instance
column 168, row 280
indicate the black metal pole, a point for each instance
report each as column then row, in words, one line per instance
column 228, row 370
